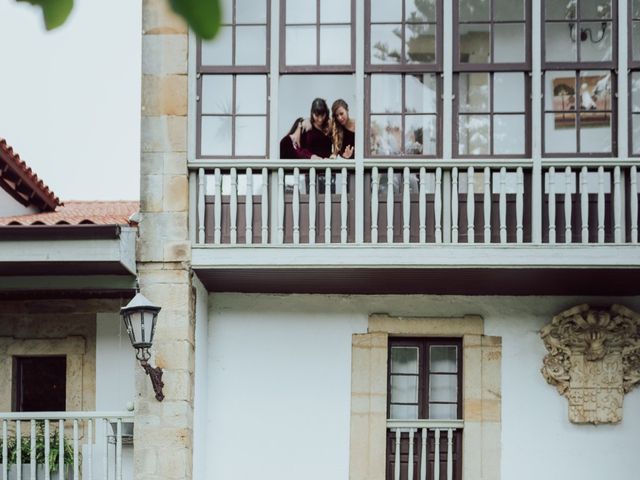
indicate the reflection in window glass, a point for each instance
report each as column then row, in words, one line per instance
column 398, row 40
column 595, row 9
column 474, row 92
column 251, row 94
column 403, row 115
column 508, row 138
column 318, row 33
column 599, row 47
column 251, row 135
column 443, row 411
column 505, row 10
column 443, row 359
column 474, row 10
column 443, row 388
column 509, row 88
column 473, row 134
column 559, row 45
column 635, row 111
column 404, row 388
column 246, row 40
column 475, row 43
column 217, row 94
column 250, row 11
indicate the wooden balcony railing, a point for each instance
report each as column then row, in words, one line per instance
column 424, row 449
column 92, row 443
column 414, row 203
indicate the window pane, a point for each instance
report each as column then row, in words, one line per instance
column 508, row 10
column 386, row 45
column 474, row 92
column 217, row 94
column 420, row 11
column 404, row 389
column 636, row 134
column 473, row 134
column 404, row 412
column 635, row 91
column 251, row 135
column 597, row 47
column 385, row 135
column 335, row 11
column 420, row 93
column 251, row 94
column 560, row 45
column 635, row 9
column 560, row 91
column 474, row 10
column 595, row 90
column 509, row 43
column 227, row 11
column 443, row 411
column 508, row 134
column 595, row 132
column 443, row 359
column 475, row 46
column 216, row 136
column 443, row 388
column 218, row 51
column 560, row 132
column 301, row 11
column 386, row 93
column 250, row 45
column 404, row 360
column 251, row 11
column 508, row 92
column 421, row 135
column 421, row 43
column 386, row 10
column 636, row 41
column 335, row 45
column 595, row 9
column 301, row 45
column 560, row 9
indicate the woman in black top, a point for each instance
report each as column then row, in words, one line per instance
column 343, row 130
column 316, row 142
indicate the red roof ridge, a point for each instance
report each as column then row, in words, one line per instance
column 78, row 212
column 22, row 183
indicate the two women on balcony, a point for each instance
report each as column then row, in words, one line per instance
column 321, row 137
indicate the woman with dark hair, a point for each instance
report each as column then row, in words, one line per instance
column 290, row 143
column 316, row 141
column 343, row 130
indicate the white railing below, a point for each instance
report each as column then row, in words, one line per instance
column 422, row 443
column 94, row 440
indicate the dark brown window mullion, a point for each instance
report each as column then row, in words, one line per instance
column 423, row 383
column 403, row 112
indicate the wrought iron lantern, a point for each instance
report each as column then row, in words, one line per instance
column 139, row 318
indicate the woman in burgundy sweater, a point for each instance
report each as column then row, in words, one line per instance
column 315, row 143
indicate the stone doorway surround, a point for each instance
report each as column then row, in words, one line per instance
column 73, row 347
column 481, row 393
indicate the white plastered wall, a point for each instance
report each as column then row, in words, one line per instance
column 278, row 386
column 9, row 206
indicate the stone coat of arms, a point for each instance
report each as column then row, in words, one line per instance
column 593, row 360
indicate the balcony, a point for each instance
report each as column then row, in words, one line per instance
column 424, row 449
column 414, row 221
column 96, row 445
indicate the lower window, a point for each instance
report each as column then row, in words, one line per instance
column 424, row 409
column 39, row 384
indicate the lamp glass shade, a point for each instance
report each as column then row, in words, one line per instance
column 139, row 318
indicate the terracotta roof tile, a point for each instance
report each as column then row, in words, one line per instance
column 22, row 182
column 80, row 213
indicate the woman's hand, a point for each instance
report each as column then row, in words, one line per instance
column 306, row 125
column 348, row 152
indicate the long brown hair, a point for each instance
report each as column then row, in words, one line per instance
column 337, row 130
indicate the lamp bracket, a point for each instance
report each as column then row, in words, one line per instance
column 155, row 374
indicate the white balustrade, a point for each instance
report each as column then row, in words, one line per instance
column 420, row 204
column 86, row 442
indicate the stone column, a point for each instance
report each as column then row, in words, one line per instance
column 164, row 430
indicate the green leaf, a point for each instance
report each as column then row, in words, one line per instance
column 203, row 16
column 55, row 12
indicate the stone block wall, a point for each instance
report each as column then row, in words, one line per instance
column 164, row 249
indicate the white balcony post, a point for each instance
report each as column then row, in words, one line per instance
column 375, row 186
column 422, row 205
column 454, row 205
column 296, row 205
column 406, row 206
column 634, row 204
column 312, row 206
column 217, row 215
column 601, row 205
column 584, row 204
column 568, row 176
column 487, row 205
column 248, row 208
column 344, row 207
column 233, row 208
column 471, row 205
column 390, row 204
column 201, row 203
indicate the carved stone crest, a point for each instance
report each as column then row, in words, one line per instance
column 593, row 360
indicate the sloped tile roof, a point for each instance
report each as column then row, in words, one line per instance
column 80, row 213
column 22, row 183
